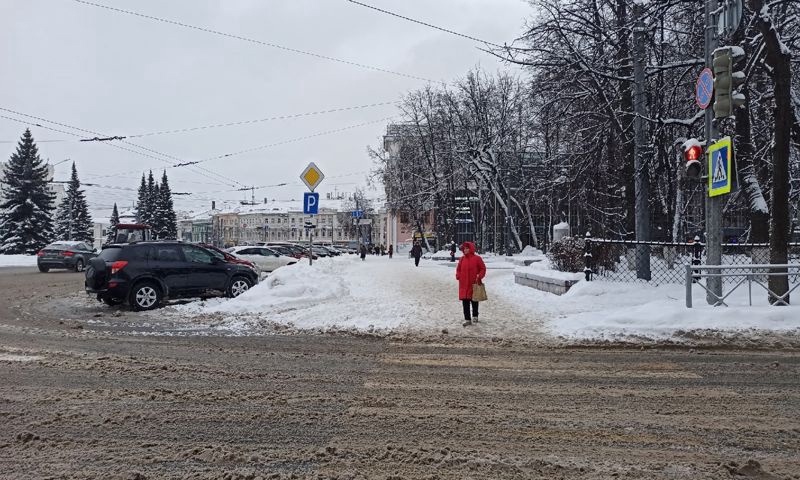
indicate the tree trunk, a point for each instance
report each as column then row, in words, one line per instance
column 779, row 59
column 626, row 107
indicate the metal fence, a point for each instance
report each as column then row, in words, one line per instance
column 617, row 260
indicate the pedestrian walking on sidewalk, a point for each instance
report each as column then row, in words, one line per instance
column 363, row 251
column 391, row 250
column 469, row 271
column 416, row 252
column 452, row 251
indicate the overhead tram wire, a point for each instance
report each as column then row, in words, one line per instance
column 249, row 122
column 258, row 42
column 229, row 181
column 446, row 30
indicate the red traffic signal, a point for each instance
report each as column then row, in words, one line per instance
column 692, row 152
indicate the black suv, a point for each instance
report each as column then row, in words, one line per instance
column 143, row 274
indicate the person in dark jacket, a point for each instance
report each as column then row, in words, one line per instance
column 363, row 251
column 452, row 251
column 391, row 250
column 470, row 270
column 416, row 252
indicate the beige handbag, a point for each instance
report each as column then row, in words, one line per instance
column 479, row 292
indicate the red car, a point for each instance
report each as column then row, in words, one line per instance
column 229, row 257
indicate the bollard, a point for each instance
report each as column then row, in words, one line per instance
column 587, row 257
column 697, row 253
column 689, row 281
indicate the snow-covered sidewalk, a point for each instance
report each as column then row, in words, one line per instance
column 376, row 295
column 383, row 296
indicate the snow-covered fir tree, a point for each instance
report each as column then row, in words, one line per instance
column 113, row 221
column 27, row 203
column 73, row 221
column 165, row 212
column 147, row 202
column 151, row 203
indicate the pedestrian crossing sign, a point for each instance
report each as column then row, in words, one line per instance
column 720, row 167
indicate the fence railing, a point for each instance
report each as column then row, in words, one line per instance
column 751, row 274
column 664, row 262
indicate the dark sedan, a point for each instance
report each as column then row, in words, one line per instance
column 72, row 255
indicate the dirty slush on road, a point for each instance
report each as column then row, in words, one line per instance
column 79, row 399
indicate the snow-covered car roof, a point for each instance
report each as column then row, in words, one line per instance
column 69, row 243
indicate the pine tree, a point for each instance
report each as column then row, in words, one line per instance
column 73, row 221
column 27, row 203
column 151, row 204
column 141, row 203
column 165, row 212
column 113, row 221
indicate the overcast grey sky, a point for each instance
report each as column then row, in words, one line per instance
column 118, row 74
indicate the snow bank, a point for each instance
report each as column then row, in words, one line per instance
column 382, row 295
column 17, row 260
column 529, row 251
column 295, row 285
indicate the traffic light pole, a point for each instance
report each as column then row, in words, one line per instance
column 713, row 204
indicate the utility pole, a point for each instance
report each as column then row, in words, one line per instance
column 713, row 204
column 642, row 173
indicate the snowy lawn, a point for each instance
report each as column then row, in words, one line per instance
column 381, row 295
column 17, row 260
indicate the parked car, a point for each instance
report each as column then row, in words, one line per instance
column 297, row 251
column 144, row 274
column 229, row 257
column 321, row 251
column 71, row 255
column 266, row 258
column 332, row 250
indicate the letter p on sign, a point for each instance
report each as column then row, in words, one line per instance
column 310, row 203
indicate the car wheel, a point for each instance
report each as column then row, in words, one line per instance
column 111, row 301
column 145, row 296
column 238, row 286
column 43, row 269
column 79, row 265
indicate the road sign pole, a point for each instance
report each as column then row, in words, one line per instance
column 713, row 204
column 311, row 244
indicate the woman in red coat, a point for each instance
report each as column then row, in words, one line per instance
column 470, row 270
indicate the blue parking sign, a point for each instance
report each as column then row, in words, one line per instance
column 310, row 203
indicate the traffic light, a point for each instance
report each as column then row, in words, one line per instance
column 692, row 153
column 727, row 82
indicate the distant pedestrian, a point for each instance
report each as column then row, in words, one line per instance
column 383, row 249
column 363, row 251
column 391, row 250
column 416, row 252
column 452, row 251
column 470, row 270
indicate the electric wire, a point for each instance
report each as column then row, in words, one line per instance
column 426, row 24
column 248, row 122
column 229, row 181
column 252, row 40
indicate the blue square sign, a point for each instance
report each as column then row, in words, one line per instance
column 310, row 203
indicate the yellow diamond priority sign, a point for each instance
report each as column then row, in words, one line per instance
column 312, row 176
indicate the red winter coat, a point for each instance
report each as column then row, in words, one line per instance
column 470, row 269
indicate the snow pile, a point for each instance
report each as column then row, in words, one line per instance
column 600, row 310
column 382, row 295
column 17, row 260
column 529, row 251
column 544, row 269
column 443, row 255
column 290, row 286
